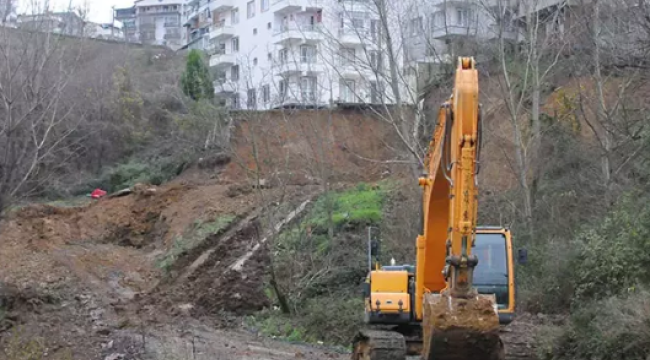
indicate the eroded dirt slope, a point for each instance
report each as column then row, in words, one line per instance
column 87, row 281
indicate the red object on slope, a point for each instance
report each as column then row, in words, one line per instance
column 97, row 193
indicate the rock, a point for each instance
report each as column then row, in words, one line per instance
column 186, row 309
column 108, row 345
column 115, row 356
column 102, row 330
column 96, row 314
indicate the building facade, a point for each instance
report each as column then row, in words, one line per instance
column 158, row 22
column 297, row 53
column 127, row 16
column 197, row 18
column 64, row 23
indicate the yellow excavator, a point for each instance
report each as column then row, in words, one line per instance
column 461, row 291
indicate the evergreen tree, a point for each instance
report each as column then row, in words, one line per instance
column 196, row 80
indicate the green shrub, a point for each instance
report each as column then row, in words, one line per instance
column 355, row 207
column 332, row 320
column 611, row 329
column 615, row 255
column 121, row 176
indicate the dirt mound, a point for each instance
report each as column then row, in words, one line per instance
column 212, row 287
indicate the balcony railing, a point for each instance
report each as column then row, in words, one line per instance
column 218, row 24
column 298, row 28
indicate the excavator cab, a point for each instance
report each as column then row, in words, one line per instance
column 494, row 273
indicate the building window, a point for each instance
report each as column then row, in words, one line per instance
column 250, row 9
column 235, row 44
column 268, row 26
column 255, row 62
column 357, row 23
column 282, row 87
column 234, row 73
column 264, row 5
column 234, row 101
column 269, row 56
column 347, row 90
column 251, row 99
column 347, row 56
column 266, row 93
column 284, row 56
column 375, row 60
column 234, row 16
column 374, row 29
column 462, row 17
column 255, row 31
column 308, row 88
column 307, row 54
column 416, row 26
column 376, row 92
column 171, row 21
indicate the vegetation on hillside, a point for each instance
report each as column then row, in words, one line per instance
column 317, row 267
column 196, row 81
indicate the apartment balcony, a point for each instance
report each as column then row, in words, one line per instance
column 224, row 87
column 298, row 34
column 220, row 59
column 299, row 68
column 355, row 70
column 295, row 97
column 192, row 18
column 147, row 26
column 222, row 5
column 221, row 31
column 453, row 31
column 357, row 5
column 454, row 3
column 507, row 33
column 354, row 37
column 291, row 6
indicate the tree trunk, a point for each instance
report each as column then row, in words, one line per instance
column 281, row 297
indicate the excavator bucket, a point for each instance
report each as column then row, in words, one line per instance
column 461, row 328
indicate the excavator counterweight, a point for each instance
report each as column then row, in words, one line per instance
column 452, row 303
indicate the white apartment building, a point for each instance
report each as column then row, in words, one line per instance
column 304, row 53
column 197, row 18
column 158, row 22
column 127, row 16
column 442, row 24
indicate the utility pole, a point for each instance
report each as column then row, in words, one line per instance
column 112, row 22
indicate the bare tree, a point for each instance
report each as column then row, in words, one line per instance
column 36, row 116
column 526, row 61
column 613, row 58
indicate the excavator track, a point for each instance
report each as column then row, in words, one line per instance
column 379, row 345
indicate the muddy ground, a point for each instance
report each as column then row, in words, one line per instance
column 87, row 283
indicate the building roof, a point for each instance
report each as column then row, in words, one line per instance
column 140, row 3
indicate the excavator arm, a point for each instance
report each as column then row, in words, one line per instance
column 437, row 308
column 450, row 193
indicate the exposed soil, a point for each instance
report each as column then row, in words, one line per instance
column 85, row 281
column 460, row 329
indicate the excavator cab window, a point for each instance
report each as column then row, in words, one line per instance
column 491, row 274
